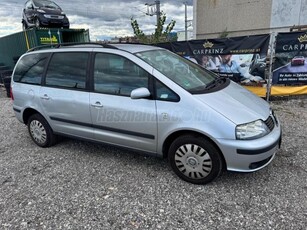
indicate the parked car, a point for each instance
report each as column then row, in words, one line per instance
column 147, row 99
column 6, row 79
column 43, row 13
column 298, row 60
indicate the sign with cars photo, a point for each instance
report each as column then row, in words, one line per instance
column 242, row 59
column 290, row 66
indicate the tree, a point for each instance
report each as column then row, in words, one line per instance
column 159, row 35
column 224, row 33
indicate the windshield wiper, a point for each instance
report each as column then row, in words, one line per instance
column 217, row 81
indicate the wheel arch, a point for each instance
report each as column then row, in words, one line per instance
column 169, row 140
column 28, row 113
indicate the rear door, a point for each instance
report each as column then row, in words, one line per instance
column 118, row 119
column 64, row 95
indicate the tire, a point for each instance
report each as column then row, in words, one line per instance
column 7, row 84
column 8, row 92
column 37, row 23
column 255, row 73
column 24, row 26
column 40, row 131
column 195, row 159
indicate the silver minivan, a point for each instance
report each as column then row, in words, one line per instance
column 147, row 99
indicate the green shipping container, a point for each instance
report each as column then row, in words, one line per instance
column 14, row 45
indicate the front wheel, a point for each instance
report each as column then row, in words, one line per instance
column 195, row 159
column 37, row 23
column 40, row 131
column 24, row 26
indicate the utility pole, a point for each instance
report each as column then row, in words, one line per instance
column 158, row 11
column 299, row 15
column 154, row 9
column 186, row 21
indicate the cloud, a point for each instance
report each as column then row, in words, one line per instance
column 108, row 18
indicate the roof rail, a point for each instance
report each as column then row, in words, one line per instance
column 70, row 44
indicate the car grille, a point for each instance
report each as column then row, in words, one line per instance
column 270, row 123
column 54, row 16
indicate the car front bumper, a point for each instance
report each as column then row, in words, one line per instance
column 251, row 155
column 50, row 22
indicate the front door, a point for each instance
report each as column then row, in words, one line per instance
column 118, row 119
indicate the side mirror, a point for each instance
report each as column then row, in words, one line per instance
column 139, row 93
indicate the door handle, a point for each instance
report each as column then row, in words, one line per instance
column 97, row 104
column 45, row 97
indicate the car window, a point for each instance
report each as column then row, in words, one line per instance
column 46, row 3
column 67, row 70
column 117, row 75
column 185, row 73
column 30, row 68
column 163, row 93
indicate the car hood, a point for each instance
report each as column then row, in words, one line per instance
column 237, row 104
column 52, row 10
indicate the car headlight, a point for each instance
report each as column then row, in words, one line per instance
column 41, row 11
column 262, row 65
column 252, row 130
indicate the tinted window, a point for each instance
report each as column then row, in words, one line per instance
column 46, row 3
column 117, row 75
column 30, row 68
column 67, row 70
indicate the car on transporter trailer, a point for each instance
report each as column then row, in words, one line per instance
column 43, row 13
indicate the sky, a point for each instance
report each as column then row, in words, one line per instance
column 104, row 18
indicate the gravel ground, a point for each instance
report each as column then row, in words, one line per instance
column 80, row 185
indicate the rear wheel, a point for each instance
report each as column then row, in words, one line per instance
column 195, row 159
column 40, row 131
column 24, row 26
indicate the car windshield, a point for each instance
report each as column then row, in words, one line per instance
column 47, row 4
column 183, row 72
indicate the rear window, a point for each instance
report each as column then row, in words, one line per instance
column 67, row 70
column 30, row 68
